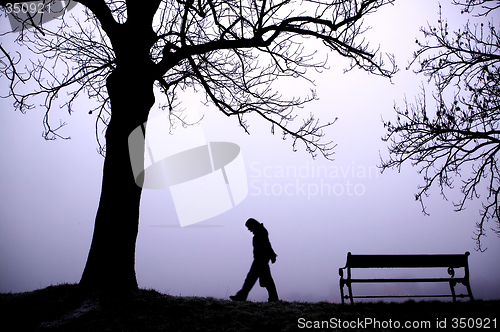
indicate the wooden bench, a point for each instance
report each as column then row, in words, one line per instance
column 451, row 262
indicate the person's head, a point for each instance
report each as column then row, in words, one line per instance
column 252, row 224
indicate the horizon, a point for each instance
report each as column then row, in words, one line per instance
column 50, row 190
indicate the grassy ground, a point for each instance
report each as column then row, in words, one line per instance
column 63, row 308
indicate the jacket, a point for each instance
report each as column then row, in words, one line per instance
column 262, row 249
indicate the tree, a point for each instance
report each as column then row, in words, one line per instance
column 464, row 135
column 233, row 50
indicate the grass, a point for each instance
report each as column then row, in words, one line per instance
column 63, row 308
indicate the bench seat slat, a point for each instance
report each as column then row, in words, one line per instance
column 407, row 280
column 402, row 296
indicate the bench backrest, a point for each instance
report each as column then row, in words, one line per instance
column 407, row 261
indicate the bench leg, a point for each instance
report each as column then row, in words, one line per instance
column 469, row 291
column 342, row 291
column 350, row 293
column 452, row 288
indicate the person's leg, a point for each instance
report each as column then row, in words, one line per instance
column 266, row 280
column 271, row 289
column 250, row 280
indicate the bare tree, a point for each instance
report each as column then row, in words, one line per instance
column 462, row 139
column 233, row 50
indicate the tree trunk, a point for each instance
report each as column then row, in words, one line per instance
column 111, row 261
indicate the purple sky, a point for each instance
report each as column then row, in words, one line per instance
column 49, row 193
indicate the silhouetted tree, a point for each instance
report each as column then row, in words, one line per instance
column 234, row 50
column 463, row 137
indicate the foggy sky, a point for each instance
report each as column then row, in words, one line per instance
column 315, row 210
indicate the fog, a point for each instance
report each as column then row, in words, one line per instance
column 315, row 210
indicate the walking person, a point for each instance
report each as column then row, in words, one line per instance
column 262, row 254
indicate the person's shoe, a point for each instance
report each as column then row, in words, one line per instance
column 236, row 298
column 273, row 300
